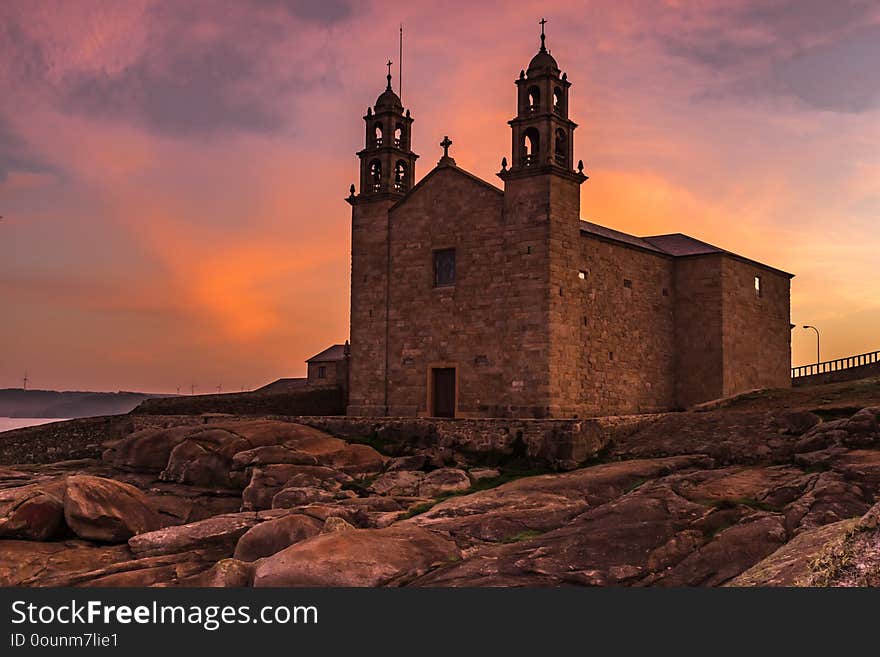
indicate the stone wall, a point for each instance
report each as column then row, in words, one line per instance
column 756, row 329
column 369, row 258
column 627, row 300
column 556, row 444
column 491, row 325
column 698, row 327
column 302, row 401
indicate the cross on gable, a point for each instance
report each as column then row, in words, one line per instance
column 446, row 143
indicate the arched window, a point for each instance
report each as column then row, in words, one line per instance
column 378, row 134
column 534, row 98
column 530, row 147
column 558, row 105
column 561, row 150
column 400, row 181
column 375, row 175
column 398, row 136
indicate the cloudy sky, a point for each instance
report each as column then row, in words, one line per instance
column 172, row 174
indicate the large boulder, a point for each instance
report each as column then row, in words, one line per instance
column 398, row 482
column 220, row 533
column 272, row 536
column 146, row 450
column 267, row 481
column 360, row 557
column 105, row 510
column 31, row 512
column 444, row 481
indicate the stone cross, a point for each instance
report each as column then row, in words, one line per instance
column 543, row 21
column 446, row 143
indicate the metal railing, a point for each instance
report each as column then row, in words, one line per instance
column 836, row 365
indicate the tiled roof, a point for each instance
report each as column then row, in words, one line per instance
column 676, row 245
column 336, row 352
column 617, row 236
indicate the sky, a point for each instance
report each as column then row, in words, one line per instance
column 173, row 175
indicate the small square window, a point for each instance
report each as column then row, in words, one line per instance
column 322, row 372
column 582, row 274
column 665, row 292
column 444, row 267
column 627, row 283
column 757, row 286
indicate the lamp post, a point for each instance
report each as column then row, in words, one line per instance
column 807, row 326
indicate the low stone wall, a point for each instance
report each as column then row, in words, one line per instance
column 557, row 444
column 308, row 401
column 850, row 374
column 76, row 439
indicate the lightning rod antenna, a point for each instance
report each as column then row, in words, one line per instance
column 400, row 66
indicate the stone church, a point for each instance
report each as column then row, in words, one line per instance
column 468, row 300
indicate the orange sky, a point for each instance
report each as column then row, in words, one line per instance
column 172, row 174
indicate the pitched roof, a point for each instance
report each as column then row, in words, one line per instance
column 676, row 245
column 336, row 352
column 617, row 236
column 442, row 167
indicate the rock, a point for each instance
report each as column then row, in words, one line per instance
column 871, row 519
column 269, row 454
column 192, row 463
column 146, row 450
column 30, row 512
column 542, row 503
column 355, row 459
column 267, row 481
column 105, row 510
column 288, row 498
column 797, row 422
column 442, row 481
column 28, row 563
column 479, row 474
column 414, row 462
column 792, row 563
column 863, row 428
column 220, row 533
column 397, row 482
column 225, row 573
column 336, row 524
column 364, row 557
column 267, row 538
column 728, row 554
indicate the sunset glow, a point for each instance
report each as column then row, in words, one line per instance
column 173, row 175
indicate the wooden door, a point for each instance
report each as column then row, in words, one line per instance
column 444, row 392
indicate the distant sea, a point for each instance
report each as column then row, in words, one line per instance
column 9, row 423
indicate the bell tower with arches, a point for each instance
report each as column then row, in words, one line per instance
column 387, row 173
column 542, row 211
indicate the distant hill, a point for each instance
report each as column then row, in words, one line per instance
column 15, row 402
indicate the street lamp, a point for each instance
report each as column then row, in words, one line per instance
column 807, row 326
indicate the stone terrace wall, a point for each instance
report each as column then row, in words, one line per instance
column 557, row 444
column 307, row 401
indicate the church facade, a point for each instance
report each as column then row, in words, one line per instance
column 468, row 300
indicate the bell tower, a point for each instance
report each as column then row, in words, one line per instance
column 542, row 212
column 387, row 160
column 542, row 132
column 387, row 173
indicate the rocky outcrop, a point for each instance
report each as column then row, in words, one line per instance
column 105, row 510
column 753, row 491
column 366, row 557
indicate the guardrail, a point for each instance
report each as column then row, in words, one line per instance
column 836, row 365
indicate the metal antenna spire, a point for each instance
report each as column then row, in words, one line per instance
column 400, row 67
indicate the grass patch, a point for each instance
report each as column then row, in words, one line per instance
column 419, row 509
column 638, row 483
column 522, row 536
